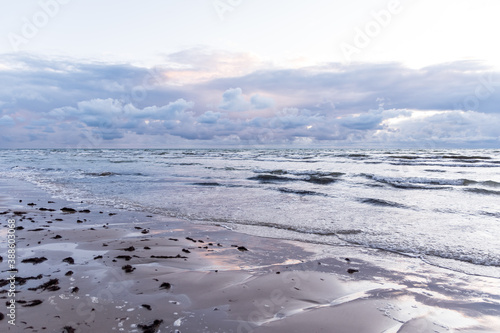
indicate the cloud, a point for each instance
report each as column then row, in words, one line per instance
column 466, row 86
column 64, row 102
column 209, row 117
column 261, row 102
column 233, row 100
column 453, row 127
column 6, row 120
column 110, row 118
column 370, row 120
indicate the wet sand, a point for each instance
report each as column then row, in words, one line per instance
column 96, row 269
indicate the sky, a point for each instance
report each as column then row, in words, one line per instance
column 249, row 73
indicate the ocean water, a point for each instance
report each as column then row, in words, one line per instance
column 442, row 206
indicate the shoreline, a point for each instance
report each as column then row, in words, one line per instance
column 136, row 272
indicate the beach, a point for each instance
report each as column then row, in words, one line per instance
column 249, row 167
column 89, row 268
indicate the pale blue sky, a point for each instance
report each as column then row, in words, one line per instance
column 282, row 72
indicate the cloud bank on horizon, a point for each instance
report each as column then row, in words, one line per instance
column 211, row 97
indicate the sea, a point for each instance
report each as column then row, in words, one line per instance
column 441, row 206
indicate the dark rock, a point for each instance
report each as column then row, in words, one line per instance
column 69, row 273
column 128, row 268
column 68, row 329
column 68, row 210
column 98, row 257
column 352, row 270
column 130, row 249
column 21, row 281
column 153, row 328
column 34, row 261
column 69, row 260
column 51, row 285
column 145, row 231
column 127, row 258
column 84, row 211
column 57, row 237
column 146, row 306
column 169, row 257
column 166, row 285
column 74, row 290
column 186, row 251
column 242, row 248
column 34, row 302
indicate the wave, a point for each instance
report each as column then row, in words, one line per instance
column 123, row 161
column 413, row 182
column 208, row 184
column 482, row 191
column 266, row 179
column 110, row 173
column 491, row 164
column 300, row 172
column 497, row 215
column 299, row 192
column 382, row 203
column 417, row 182
column 467, row 158
column 355, row 156
column 434, row 170
column 315, row 177
column 273, row 179
column 463, row 157
column 351, row 236
column 320, row 180
column 406, row 157
column 101, row 174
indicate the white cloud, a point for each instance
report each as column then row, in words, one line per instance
column 233, row 100
column 261, row 102
column 444, row 127
column 209, row 117
column 6, row 120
